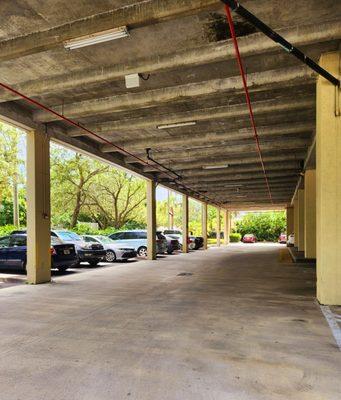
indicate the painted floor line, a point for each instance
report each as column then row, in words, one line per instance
column 332, row 322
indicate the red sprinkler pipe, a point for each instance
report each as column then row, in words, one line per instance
column 247, row 95
column 90, row 132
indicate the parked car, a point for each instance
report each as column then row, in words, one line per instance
column 194, row 242
column 249, row 238
column 291, row 240
column 138, row 240
column 13, row 253
column 282, row 238
column 114, row 251
column 92, row 253
column 173, row 244
column 87, row 252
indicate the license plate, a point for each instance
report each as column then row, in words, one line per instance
column 87, row 254
column 66, row 251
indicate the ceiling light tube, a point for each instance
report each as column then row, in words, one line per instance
column 96, row 38
column 215, row 166
column 176, row 125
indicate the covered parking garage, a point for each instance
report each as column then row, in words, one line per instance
column 187, row 105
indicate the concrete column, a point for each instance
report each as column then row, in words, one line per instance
column 310, row 214
column 38, row 208
column 218, row 226
column 296, row 220
column 301, row 219
column 290, row 220
column 328, row 184
column 184, row 223
column 227, row 226
column 204, row 223
column 151, row 220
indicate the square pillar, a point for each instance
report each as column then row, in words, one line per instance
column 301, row 219
column 296, row 220
column 184, row 223
column 204, row 223
column 290, row 220
column 310, row 214
column 218, row 227
column 328, row 184
column 38, row 208
column 151, row 220
column 227, row 226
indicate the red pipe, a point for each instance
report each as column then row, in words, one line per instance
column 77, row 125
column 247, row 95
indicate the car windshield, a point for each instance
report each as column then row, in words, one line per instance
column 55, row 240
column 66, row 235
column 172, row 232
column 105, row 239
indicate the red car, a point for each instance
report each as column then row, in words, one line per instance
column 282, row 238
column 249, row 238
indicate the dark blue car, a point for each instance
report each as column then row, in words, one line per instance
column 13, row 252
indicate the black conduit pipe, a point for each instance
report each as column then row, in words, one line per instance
column 257, row 23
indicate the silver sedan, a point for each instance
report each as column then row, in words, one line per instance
column 114, row 251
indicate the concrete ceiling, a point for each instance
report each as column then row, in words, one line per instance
column 185, row 46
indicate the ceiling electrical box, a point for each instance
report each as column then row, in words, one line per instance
column 132, row 81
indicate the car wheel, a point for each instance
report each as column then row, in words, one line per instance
column 110, row 256
column 142, row 251
column 62, row 269
column 169, row 251
column 93, row 263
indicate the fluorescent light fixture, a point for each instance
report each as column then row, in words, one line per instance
column 96, row 38
column 176, row 125
column 215, row 166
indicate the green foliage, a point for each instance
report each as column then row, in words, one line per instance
column 7, row 229
column 267, row 226
column 235, row 237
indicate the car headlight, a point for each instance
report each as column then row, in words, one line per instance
column 86, row 247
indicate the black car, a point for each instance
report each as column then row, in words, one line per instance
column 87, row 252
column 173, row 244
column 13, row 253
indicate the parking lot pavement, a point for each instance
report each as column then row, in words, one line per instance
column 13, row 277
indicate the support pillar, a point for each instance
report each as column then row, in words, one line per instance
column 218, row 227
column 184, row 223
column 227, row 226
column 151, row 220
column 290, row 220
column 296, row 220
column 328, row 184
column 300, row 219
column 38, row 208
column 310, row 214
column 204, row 224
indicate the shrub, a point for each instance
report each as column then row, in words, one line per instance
column 7, row 229
column 235, row 237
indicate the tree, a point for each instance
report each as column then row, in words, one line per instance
column 11, row 175
column 116, row 199
column 72, row 176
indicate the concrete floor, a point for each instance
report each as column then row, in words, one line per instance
column 243, row 326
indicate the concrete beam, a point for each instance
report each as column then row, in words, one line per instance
column 206, row 114
column 218, row 226
column 134, row 15
column 38, row 208
column 235, row 169
column 204, row 223
column 310, row 214
column 227, row 226
column 191, row 139
column 328, row 184
column 233, row 161
column 249, row 147
column 151, row 220
column 185, row 232
column 256, row 81
column 213, row 52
